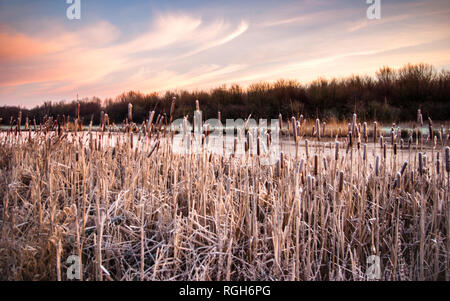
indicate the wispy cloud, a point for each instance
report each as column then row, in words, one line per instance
column 243, row 26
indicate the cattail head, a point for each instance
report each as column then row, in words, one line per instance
column 172, row 108
column 430, row 128
column 365, row 152
column 130, row 112
column 438, row 165
column 392, row 136
column 161, row 121
column 78, row 110
column 397, row 180
column 377, row 166
column 294, row 128
column 384, row 151
column 306, row 148
column 402, row 171
column 318, row 128
column 309, row 184
column 395, row 149
column 364, row 128
column 325, row 163
column 258, row 149
column 300, row 166
column 106, row 120
column 197, row 105
column 375, row 132
column 228, row 186
column 349, row 140
column 226, row 169
column 447, row 159
column 420, row 163
column 185, row 124
column 150, row 121
column 316, row 165
column 102, row 118
column 268, row 186
column 341, row 181
column 247, row 144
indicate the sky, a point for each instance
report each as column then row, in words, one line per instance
column 155, row 46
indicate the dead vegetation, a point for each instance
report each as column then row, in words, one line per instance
column 135, row 210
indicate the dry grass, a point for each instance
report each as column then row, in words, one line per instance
column 146, row 213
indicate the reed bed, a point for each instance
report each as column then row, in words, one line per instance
column 133, row 209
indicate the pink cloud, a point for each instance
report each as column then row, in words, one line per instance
column 61, row 62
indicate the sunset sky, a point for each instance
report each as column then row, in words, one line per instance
column 154, row 46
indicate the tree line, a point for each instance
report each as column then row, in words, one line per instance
column 392, row 95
